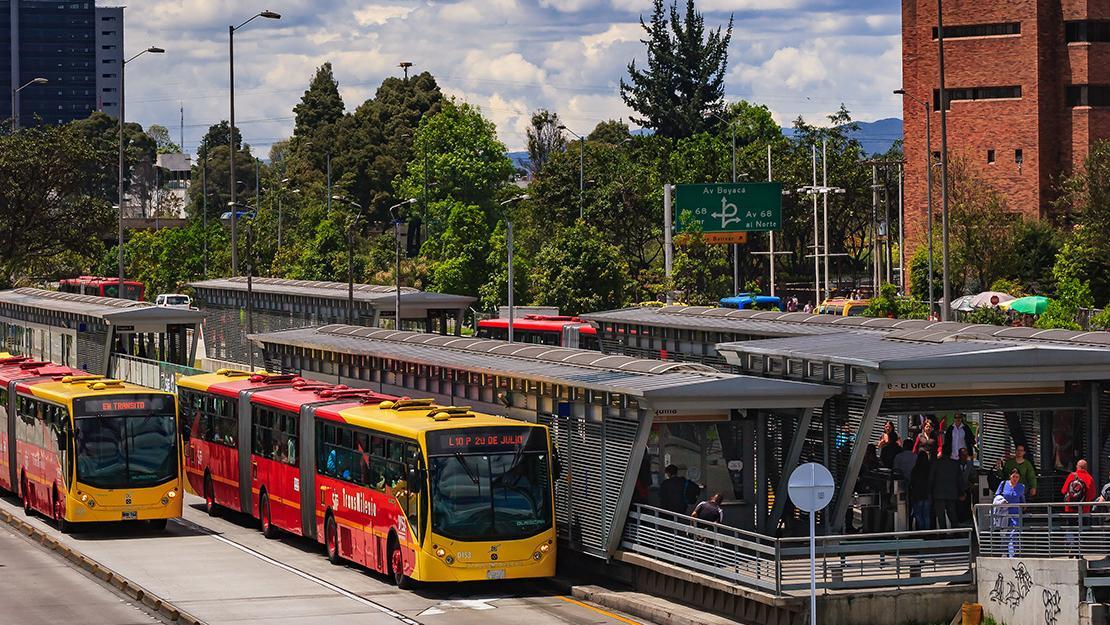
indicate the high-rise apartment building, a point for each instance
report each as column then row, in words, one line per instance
column 1028, row 86
column 76, row 46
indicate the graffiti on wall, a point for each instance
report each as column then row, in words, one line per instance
column 1051, row 600
column 1012, row 592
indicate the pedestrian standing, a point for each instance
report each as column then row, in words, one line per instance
column 1078, row 487
column 921, row 493
column 927, row 440
column 677, row 493
column 967, row 476
column 947, row 486
column 808, row 308
column 888, row 444
column 957, row 436
column 904, row 461
column 1011, row 491
column 1025, row 468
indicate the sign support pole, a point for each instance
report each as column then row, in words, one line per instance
column 772, row 233
column 668, row 243
column 816, row 241
column 812, row 569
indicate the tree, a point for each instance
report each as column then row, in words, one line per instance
column 1085, row 203
column 218, row 165
column 162, row 141
column 684, row 80
column 321, row 104
column 753, row 122
column 102, row 132
column 701, row 270
column 53, row 199
column 577, row 271
column 463, row 250
column 217, row 135
column 611, row 131
column 1063, row 310
column 981, row 230
column 544, row 139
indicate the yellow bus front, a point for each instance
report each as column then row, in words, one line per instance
column 490, row 504
column 126, row 460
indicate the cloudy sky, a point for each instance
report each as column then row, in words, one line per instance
column 510, row 57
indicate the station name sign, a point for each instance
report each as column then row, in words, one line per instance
column 912, row 388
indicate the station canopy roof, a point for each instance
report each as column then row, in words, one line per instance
column 143, row 316
column 772, row 323
column 940, row 356
column 664, row 384
column 377, row 294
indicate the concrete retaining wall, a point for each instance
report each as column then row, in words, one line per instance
column 1030, row 591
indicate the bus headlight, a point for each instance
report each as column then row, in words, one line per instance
column 440, row 552
column 169, row 496
column 84, row 497
column 544, row 548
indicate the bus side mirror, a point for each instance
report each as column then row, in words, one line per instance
column 556, row 464
column 415, row 480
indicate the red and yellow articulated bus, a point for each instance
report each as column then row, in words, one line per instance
column 81, row 448
column 404, row 487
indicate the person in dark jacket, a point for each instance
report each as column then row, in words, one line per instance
column 677, row 494
column 946, row 486
column 889, row 445
column 958, row 435
column 921, row 493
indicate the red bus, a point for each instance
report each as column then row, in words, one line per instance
column 562, row 331
column 103, row 287
column 402, row 487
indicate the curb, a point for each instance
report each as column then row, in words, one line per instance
column 639, row 605
column 136, row 592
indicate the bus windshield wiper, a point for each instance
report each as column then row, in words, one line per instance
column 462, row 461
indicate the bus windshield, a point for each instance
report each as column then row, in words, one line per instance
column 125, row 441
column 483, row 491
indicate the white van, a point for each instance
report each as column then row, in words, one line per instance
column 174, row 300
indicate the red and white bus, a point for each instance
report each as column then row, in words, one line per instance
column 562, row 331
column 403, row 487
column 103, row 287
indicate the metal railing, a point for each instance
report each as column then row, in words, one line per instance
column 149, row 373
column 781, row 565
column 1044, row 530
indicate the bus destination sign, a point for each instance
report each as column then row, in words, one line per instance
column 123, row 405
column 484, row 440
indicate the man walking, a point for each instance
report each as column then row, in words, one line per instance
column 676, row 494
column 1079, row 486
column 1026, row 471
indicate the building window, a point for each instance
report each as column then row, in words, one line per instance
column 979, row 30
column 1019, row 157
column 1089, row 95
column 1087, row 31
column 990, row 156
column 976, row 93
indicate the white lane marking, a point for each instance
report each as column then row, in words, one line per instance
column 299, row 573
column 459, row 604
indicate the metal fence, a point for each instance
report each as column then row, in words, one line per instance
column 149, row 373
column 781, row 565
column 1042, row 530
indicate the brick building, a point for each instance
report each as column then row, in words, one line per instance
column 1028, row 88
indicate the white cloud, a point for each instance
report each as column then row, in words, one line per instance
column 378, row 14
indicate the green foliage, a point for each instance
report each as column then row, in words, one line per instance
column 1008, row 286
column 1071, row 295
column 684, row 79
column 102, row 132
column 544, row 139
column 494, row 292
column 611, row 131
column 162, row 141
column 1036, row 245
column 889, row 304
column 215, row 170
column 320, row 105
column 701, row 270
column 579, row 272
column 753, row 123
column 1101, row 321
column 462, row 251
column 987, row 315
column 217, row 135
column 166, row 260
column 53, row 200
column 981, row 231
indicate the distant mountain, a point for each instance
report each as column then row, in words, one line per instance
column 876, row 137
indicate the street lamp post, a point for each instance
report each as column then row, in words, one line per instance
column 122, row 97
column 250, row 274
column 397, row 247
column 509, row 246
column 581, row 170
column 352, row 223
column 15, row 100
column 929, row 186
column 947, row 288
column 231, row 139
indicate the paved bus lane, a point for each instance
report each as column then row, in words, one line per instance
column 223, row 571
column 40, row 588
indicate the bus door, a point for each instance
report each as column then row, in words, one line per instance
column 9, row 427
column 570, row 336
column 246, row 472
column 307, row 463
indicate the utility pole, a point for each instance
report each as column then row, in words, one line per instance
column 772, row 233
column 902, row 228
column 816, row 240
column 668, row 243
column 825, row 210
column 876, row 277
column 204, row 209
column 946, row 303
column 397, row 248
column 509, row 244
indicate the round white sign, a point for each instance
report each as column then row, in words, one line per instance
column 811, row 487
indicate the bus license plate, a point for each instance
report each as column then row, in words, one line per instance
column 130, row 515
column 495, row 574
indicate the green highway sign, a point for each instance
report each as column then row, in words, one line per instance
column 731, row 207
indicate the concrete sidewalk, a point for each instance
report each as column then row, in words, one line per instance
column 639, row 605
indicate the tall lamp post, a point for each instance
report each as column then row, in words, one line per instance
column 509, row 246
column 395, row 215
column 231, row 139
column 15, row 100
column 928, row 183
column 581, row 170
column 249, row 215
column 352, row 223
column 946, row 305
column 122, row 97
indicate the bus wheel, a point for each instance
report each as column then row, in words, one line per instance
column 331, row 540
column 397, row 566
column 158, row 525
column 25, row 493
column 268, row 529
column 60, row 515
column 209, row 496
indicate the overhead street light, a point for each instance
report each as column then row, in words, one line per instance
column 122, row 118
column 251, row 211
column 395, row 215
column 231, row 139
column 15, row 104
column 581, row 170
column 928, row 183
column 509, row 245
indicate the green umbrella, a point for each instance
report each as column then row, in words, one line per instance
column 1032, row 305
